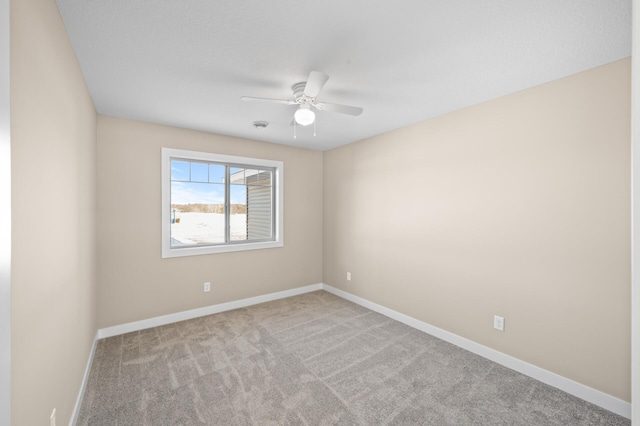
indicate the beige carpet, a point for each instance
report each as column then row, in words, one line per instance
column 313, row 359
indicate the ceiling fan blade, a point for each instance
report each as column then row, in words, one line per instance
column 315, row 83
column 343, row 109
column 273, row 101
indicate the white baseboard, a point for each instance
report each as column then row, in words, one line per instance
column 180, row 316
column 579, row 390
column 200, row 312
column 83, row 386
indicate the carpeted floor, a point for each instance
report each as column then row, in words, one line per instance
column 314, row 359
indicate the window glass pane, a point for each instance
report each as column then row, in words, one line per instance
column 197, row 213
column 259, row 212
column 179, row 170
column 199, row 172
column 238, row 212
column 238, row 194
column 236, row 175
column 264, row 178
column 251, row 176
column 216, row 173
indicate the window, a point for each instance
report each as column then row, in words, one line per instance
column 218, row 203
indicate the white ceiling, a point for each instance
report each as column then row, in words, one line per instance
column 186, row 63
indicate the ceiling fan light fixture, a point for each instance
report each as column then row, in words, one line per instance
column 304, row 116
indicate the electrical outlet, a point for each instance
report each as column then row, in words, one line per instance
column 348, row 276
column 207, row 287
column 52, row 418
column 498, row 323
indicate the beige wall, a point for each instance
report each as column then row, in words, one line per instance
column 518, row 207
column 53, row 125
column 135, row 283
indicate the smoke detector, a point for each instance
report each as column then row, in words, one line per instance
column 260, row 125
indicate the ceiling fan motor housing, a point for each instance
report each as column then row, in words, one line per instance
column 298, row 93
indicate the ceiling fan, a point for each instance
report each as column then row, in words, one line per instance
column 304, row 95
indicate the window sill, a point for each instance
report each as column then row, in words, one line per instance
column 168, row 252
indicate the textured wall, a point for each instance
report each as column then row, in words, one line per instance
column 53, row 125
column 518, row 207
column 136, row 283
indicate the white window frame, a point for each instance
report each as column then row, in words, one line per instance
column 168, row 251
